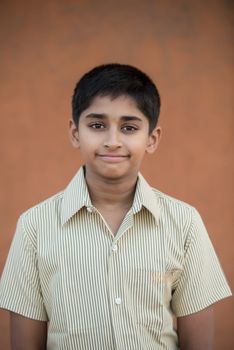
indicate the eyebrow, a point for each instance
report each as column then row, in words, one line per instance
column 105, row 116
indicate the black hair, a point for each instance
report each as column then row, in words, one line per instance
column 116, row 80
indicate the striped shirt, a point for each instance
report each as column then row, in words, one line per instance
column 100, row 291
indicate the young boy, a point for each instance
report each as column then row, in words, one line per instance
column 109, row 262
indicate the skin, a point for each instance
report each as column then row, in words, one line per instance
column 113, row 138
column 27, row 334
column 196, row 331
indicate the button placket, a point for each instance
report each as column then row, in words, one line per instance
column 114, row 248
column 118, row 301
column 116, row 295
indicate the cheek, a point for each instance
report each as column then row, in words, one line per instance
column 139, row 146
column 88, row 147
column 87, row 140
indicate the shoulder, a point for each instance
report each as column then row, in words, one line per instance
column 176, row 214
column 168, row 200
column 173, row 206
column 48, row 209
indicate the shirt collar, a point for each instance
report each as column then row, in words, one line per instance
column 145, row 197
column 76, row 196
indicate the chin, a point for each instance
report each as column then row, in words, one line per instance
column 113, row 174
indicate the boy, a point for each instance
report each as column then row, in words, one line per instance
column 109, row 261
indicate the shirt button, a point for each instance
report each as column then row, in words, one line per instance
column 89, row 209
column 114, row 247
column 118, row 301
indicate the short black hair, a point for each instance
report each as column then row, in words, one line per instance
column 116, row 80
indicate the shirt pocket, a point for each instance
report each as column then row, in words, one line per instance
column 144, row 291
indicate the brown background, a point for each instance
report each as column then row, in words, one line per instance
column 185, row 46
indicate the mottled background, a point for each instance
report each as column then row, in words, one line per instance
column 185, row 46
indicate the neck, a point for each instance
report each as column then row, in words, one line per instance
column 111, row 193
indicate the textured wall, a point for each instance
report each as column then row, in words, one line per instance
column 184, row 45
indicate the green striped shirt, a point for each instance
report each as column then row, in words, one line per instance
column 100, row 291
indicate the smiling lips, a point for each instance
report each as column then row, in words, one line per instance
column 112, row 158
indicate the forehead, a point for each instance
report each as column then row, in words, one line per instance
column 113, row 107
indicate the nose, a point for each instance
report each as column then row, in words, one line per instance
column 112, row 140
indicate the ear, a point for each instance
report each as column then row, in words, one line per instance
column 74, row 134
column 154, row 139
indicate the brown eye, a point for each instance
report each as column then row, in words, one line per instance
column 96, row 126
column 129, row 128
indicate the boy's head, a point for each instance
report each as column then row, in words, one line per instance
column 115, row 80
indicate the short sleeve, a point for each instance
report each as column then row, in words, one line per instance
column 202, row 281
column 20, row 290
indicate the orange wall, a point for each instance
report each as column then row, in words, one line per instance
column 184, row 45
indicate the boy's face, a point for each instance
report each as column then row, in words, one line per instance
column 113, row 137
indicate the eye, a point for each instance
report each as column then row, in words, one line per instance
column 129, row 128
column 96, row 126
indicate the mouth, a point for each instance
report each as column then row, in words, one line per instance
column 113, row 158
